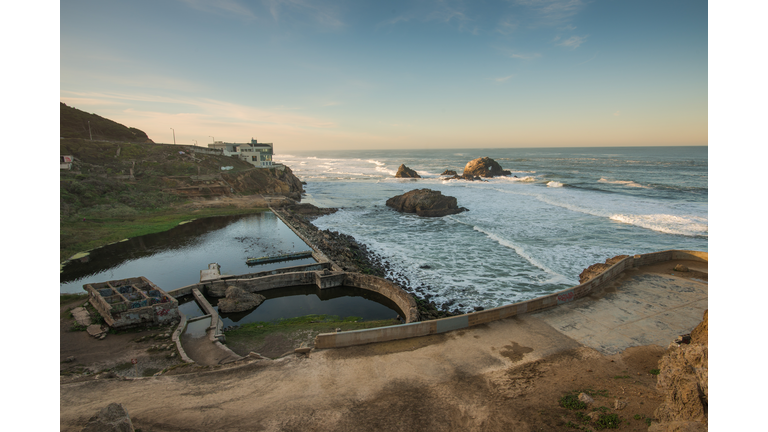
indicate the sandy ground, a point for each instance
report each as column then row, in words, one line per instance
column 506, row 375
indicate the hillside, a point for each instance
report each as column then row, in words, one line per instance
column 74, row 123
column 113, row 186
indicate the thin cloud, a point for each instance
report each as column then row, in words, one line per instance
column 553, row 12
column 520, row 56
column 223, row 7
column 573, row 42
column 215, row 109
column 325, row 16
column 503, row 79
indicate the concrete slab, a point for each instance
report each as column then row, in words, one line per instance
column 82, row 317
column 645, row 309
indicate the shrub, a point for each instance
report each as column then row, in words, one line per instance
column 607, row 421
column 572, row 402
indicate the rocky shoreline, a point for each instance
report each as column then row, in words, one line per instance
column 352, row 256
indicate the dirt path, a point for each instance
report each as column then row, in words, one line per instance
column 506, row 375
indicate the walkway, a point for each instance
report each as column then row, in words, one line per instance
column 504, row 375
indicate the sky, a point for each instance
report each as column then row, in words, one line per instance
column 308, row 75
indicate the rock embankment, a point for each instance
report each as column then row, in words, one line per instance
column 426, row 203
column 405, row 172
column 341, row 248
column 352, row 256
column 683, row 378
column 595, row 270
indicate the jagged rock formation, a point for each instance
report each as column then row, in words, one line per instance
column 595, row 270
column 683, row 378
column 238, row 300
column 484, row 167
column 425, row 202
column 405, row 172
column 449, row 173
column 112, row 418
column 266, row 181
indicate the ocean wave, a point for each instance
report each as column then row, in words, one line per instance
column 665, row 223
column 554, row 276
column 554, row 184
column 629, row 183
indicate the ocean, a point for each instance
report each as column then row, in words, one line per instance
column 526, row 235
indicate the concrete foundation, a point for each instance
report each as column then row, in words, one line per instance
column 131, row 302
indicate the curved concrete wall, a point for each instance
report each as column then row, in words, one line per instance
column 322, row 279
column 382, row 334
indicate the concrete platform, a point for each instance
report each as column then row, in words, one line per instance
column 647, row 306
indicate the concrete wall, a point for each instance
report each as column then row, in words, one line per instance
column 382, row 334
column 132, row 301
column 320, row 278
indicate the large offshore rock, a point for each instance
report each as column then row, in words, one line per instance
column 405, row 172
column 238, row 300
column 425, row 202
column 484, row 167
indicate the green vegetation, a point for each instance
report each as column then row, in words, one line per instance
column 572, row 402
column 99, row 204
column 654, row 371
column 68, row 298
column 608, row 421
column 254, row 333
column 75, row 123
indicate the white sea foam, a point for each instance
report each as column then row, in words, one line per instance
column 665, row 223
column 555, row 277
column 554, row 184
column 628, row 183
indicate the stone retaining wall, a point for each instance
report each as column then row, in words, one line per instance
column 382, row 334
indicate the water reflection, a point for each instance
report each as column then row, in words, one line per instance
column 174, row 258
column 292, row 302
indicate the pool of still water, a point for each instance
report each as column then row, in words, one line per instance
column 304, row 300
column 174, row 258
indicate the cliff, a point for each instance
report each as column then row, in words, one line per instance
column 128, row 177
column 683, row 380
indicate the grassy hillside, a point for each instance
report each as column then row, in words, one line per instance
column 101, row 203
column 75, row 124
column 99, row 177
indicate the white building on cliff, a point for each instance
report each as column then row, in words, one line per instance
column 256, row 153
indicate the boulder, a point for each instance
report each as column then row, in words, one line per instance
column 449, row 173
column 405, row 172
column 484, row 167
column 425, row 202
column 238, row 300
column 595, row 270
column 112, row 418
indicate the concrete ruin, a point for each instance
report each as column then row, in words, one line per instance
column 131, row 302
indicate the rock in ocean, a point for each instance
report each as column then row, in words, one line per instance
column 425, row 202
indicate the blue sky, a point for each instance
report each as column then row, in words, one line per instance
column 412, row 74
